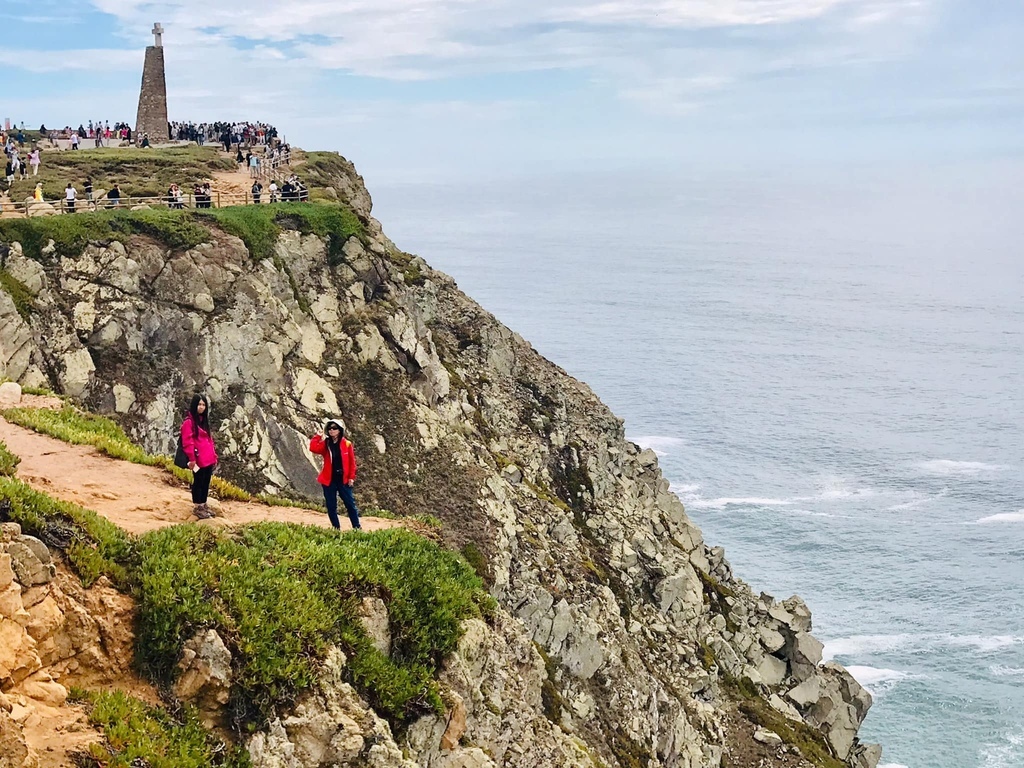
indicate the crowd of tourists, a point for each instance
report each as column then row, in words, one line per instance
column 197, row 452
column 223, row 132
column 18, row 163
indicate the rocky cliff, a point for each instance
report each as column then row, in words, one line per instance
column 622, row 639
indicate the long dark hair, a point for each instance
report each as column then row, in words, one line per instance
column 199, row 419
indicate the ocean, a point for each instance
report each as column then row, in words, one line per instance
column 831, row 368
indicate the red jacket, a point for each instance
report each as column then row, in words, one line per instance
column 317, row 444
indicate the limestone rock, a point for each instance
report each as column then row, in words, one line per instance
column 772, row 670
column 373, row 614
column 765, row 736
column 10, row 394
column 804, row 652
column 204, row 674
column 330, row 726
column 28, row 568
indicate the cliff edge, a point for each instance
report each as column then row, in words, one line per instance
column 620, row 637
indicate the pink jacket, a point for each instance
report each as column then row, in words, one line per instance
column 200, row 451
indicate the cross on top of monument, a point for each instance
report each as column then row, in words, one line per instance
column 158, row 33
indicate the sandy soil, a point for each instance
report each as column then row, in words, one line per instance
column 136, row 498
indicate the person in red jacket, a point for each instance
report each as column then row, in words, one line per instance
column 339, row 470
column 197, row 442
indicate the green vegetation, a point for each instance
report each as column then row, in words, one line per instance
column 140, row 172
column 14, row 288
column 280, row 594
column 79, row 428
column 477, row 560
column 8, row 461
column 135, row 734
column 257, row 226
column 94, row 546
column 811, row 743
column 550, row 697
column 629, row 753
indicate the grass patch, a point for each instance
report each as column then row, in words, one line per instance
column 258, row 226
column 79, row 428
column 22, row 297
column 8, row 461
column 140, row 172
column 280, row 594
column 94, row 546
column 136, row 734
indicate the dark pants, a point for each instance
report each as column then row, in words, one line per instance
column 331, row 493
column 201, row 484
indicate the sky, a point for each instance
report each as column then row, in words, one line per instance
column 470, row 88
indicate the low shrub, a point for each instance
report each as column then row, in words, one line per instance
column 136, row 734
column 280, row 594
column 23, row 299
column 93, row 545
column 8, row 461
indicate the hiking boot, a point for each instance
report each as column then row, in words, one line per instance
column 201, row 513
column 209, row 512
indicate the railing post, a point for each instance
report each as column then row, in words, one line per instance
column 218, row 199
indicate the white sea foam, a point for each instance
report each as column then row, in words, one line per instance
column 739, row 501
column 1008, row 753
column 894, row 765
column 958, row 468
column 1003, row 517
column 1000, row 671
column 918, row 501
column 878, row 681
column 686, row 489
column 660, row 444
column 858, row 645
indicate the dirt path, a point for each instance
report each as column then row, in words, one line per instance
column 135, row 497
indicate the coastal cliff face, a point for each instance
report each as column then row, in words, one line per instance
column 621, row 638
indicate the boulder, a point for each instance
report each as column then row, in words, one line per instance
column 772, row 670
column 10, row 394
column 866, row 756
column 765, row 736
column 805, row 694
column 373, row 614
column 804, row 652
column 28, row 568
column 205, row 675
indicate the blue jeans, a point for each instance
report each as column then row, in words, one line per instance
column 331, row 499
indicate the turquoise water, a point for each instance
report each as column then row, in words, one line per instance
column 833, row 374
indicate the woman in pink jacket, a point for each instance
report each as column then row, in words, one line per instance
column 197, row 442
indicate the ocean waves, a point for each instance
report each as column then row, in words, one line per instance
column 861, row 645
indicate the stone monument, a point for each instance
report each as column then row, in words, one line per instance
column 152, row 116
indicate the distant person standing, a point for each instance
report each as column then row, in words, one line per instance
column 74, row 141
column 88, row 194
column 273, row 191
column 114, row 196
column 70, row 194
column 339, row 471
column 33, row 160
column 257, row 190
column 254, row 165
column 197, row 443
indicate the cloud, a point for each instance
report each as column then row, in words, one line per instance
column 90, row 60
